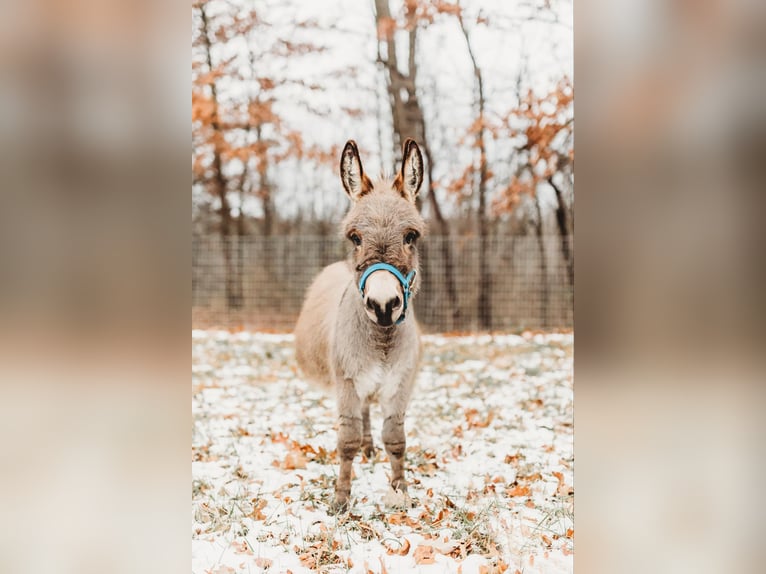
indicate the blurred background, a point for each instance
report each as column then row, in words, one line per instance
column 485, row 88
column 97, row 263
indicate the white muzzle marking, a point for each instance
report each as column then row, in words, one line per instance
column 383, row 296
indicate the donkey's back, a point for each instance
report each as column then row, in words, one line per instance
column 319, row 311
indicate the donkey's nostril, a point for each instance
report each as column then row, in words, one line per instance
column 397, row 302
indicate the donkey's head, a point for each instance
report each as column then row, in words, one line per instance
column 383, row 227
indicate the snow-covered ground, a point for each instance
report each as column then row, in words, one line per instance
column 489, row 457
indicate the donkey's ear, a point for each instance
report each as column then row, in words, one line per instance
column 410, row 177
column 355, row 182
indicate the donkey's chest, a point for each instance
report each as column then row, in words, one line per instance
column 377, row 382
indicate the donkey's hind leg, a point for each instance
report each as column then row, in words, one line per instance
column 368, row 446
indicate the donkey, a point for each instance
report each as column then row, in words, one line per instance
column 357, row 330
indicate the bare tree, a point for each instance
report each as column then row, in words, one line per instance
column 542, row 263
column 409, row 120
column 218, row 180
column 563, row 227
column 484, row 301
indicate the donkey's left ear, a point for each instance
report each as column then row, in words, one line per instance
column 410, row 177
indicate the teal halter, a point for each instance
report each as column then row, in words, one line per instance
column 406, row 283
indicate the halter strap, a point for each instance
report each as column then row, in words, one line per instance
column 406, row 282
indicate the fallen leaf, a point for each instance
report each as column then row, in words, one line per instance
column 264, row 563
column 424, row 555
column 294, row 459
column 241, row 547
column 475, row 421
column 512, row 459
column 258, row 506
column 562, row 489
column 402, row 550
column 400, row 518
column 518, row 490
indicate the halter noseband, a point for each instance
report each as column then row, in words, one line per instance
column 406, row 282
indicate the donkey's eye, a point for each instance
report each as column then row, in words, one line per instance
column 410, row 238
column 355, row 239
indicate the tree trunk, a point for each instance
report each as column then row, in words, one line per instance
column 561, row 222
column 240, row 244
column 484, row 302
column 233, row 301
column 409, row 121
column 542, row 266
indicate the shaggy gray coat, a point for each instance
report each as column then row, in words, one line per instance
column 352, row 341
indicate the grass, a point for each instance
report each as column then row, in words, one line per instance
column 488, row 428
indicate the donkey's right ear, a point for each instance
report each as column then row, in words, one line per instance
column 355, row 182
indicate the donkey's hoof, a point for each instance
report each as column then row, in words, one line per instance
column 369, row 451
column 339, row 505
column 397, row 498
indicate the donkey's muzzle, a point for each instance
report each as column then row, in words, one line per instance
column 385, row 313
column 387, row 294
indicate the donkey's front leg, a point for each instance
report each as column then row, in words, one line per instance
column 368, row 446
column 396, row 444
column 349, row 440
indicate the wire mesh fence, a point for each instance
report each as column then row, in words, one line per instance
column 259, row 282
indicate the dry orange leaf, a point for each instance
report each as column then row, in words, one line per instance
column 518, row 490
column 258, row 506
column 293, row 460
column 402, row 550
column 241, row 547
column 399, row 518
column 475, row 421
column 424, row 555
column 263, row 563
column 562, row 489
column 279, row 437
column 405, row 549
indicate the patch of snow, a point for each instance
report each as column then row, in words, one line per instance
column 489, row 461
